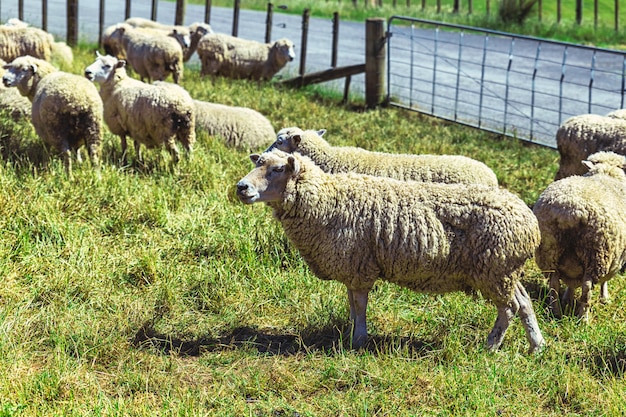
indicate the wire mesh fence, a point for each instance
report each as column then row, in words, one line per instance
column 515, row 85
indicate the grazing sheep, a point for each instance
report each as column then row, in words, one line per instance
column 428, row 237
column 17, row 39
column 66, row 109
column 151, row 114
column 238, row 127
column 182, row 34
column 12, row 101
column 197, row 31
column 583, row 230
column 585, row 134
column 333, row 159
column 234, row 57
column 152, row 55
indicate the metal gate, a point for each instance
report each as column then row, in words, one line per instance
column 511, row 84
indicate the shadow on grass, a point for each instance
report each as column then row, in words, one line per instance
column 327, row 339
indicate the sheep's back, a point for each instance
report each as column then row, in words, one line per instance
column 15, row 42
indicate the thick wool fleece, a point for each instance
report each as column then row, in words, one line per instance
column 334, row 159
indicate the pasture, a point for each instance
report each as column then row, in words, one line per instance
column 147, row 291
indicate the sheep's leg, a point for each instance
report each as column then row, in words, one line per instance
column 359, row 334
column 352, row 308
column 529, row 320
column 173, row 150
column 554, row 302
column 604, row 293
column 505, row 314
column 124, row 149
column 567, row 301
column 138, row 151
column 582, row 311
column 79, row 157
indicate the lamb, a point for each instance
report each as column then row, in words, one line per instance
column 153, row 56
column 66, row 109
column 428, row 237
column 151, row 114
column 585, row 134
column 238, row 58
column 12, row 101
column 583, row 231
column 239, row 127
column 334, row 159
column 17, row 39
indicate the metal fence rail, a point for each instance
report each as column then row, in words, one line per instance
column 511, row 84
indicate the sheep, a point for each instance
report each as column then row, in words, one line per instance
column 197, row 31
column 12, row 101
column 583, row 231
column 151, row 114
column 585, row 134
column 425, row 236
column 183, row 34
column 17, row 39
column 153, row 56
column 334, row 159
column 239, row 127
column 66, row 109
column 238, row 58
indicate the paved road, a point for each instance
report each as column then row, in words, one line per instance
column 251, row 26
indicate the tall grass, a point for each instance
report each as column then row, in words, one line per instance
column 145, row 291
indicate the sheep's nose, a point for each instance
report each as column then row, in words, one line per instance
column 242, row 186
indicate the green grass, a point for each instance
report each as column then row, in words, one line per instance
column 149, row 292
column 601, row 34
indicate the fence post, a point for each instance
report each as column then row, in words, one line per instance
column 305, row 39
column 207, row 11
column 72, row 22
column 236, row 8
column 269, row 22
column 375, row 51
column 100, row 23
column 127, row 10
column 579, row 11
column 44, row 15
column 333, row 59
column 179, row 18
column 20, row 10
column 153, row 13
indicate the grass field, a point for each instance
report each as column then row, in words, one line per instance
column 145, row 291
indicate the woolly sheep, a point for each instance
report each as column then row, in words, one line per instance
column 333, row 159
column 183, row 34
column 197, row 31
column 12, row 101
column 151, row 114
column 428, row 237
column 66, row 109
column 585, row 134
column 234, row 57
column 239, row 127
column 153, row 56
column 583, row 230
column 17, row 39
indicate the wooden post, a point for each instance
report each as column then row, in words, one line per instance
column 237, row 6
column 333, row 59
column 207, row 11
column 579, row 11
column 179, row 19
column 20, row 10
column 269, row 22
column 305, row 39
column 72, row 22
column 153, row 13
column 127, row 10
column 100, row 23
column 558, row 11
column 44, row 15
column 375, row 50
column 617, row 15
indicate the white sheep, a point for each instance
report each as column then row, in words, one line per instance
column 12, row 101
column 154, row 115
column 583, row 230
column 234, row 57
column 153, row 55
column 17, row 39
column 197, row 31
column 585, row 134
column 238, row 127
column 333, row 159
column 66, row 109
column 183, row 34
column 428, row 237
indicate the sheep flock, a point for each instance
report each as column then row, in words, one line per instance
column 430, row 223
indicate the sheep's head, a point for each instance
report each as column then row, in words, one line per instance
column 25, row 72
column 289, row 139
column 268, row 180
column 102, row 68
column 284, row 52
column 608, row 163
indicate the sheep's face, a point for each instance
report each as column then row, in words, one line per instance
column 285, row 51
column 287, row 139
column 100, row 70
column 268, row 180
column 21, row 74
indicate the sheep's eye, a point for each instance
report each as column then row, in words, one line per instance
column 106, row 66
column 279, row 169
column 279, row 141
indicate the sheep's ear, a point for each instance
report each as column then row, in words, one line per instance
column 321, row 132
column 33, row 68
column 120, row 64
column 254, row 158
column 587, row 164
column 296, row 140
column 98, row 54
column 293, row 164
